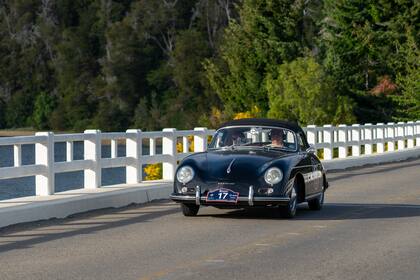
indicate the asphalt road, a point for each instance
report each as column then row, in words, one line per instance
column 368, row 229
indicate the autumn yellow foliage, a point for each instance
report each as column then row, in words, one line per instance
column 154, row 171
column 255, row 112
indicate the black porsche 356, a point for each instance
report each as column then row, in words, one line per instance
column 249, row 163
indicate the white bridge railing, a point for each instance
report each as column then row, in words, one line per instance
column 335, row 142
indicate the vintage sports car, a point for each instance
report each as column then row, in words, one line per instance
column 250, row 163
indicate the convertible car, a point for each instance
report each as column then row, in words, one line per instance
column 251, row 163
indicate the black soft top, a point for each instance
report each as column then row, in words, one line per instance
column 265, row 122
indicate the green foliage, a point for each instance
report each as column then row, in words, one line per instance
column 302, row 92
column 2, row 114
column 115, row 64
column 359, row 39
column 409, row 97
column 266, row 35
column 43, row 108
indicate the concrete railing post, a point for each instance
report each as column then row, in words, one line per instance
column 92, row 152
column 185, row 145
column 410, row 135
column 133, row 146
column 380, row 135
column 69, row 151
column 17, row 155
column 342, row 139
column 417, row 132
column 355, row 137
column 391, row 136
column 169, row 148
column 368, row 137
column 200, row 140
column 44, row 155
column 401, row 133
column 311, row 135
column 328, row 140
column 152, row 146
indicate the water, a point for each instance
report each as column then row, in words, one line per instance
column 25, row 186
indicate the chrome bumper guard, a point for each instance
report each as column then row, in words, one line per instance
column 198, row 199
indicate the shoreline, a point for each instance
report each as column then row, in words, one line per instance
column 16, row 132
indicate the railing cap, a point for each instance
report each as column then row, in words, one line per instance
column 44, row 133
column 133, row 131
column 92, row 131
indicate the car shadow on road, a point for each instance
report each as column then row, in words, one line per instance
column 330, row 211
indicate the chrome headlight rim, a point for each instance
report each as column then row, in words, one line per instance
column 185, row 174
column 273, row 175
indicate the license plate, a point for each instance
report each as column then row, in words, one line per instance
column 222, row 195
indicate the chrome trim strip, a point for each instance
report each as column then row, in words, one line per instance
column 197, row 195
column 230, row 166
column 182, row 197
column 251, row 196
column 241, row 198
column 313, row 195
column 272, row 199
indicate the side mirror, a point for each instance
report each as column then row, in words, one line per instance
column 311, row 149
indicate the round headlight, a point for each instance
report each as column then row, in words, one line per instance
column 185, row 174
column 273, row 176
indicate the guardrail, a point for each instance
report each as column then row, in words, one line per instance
column 45, row 167
column 335, row 142
column 343, row 141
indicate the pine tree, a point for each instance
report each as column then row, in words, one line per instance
column 266, row 35
column 360, row 40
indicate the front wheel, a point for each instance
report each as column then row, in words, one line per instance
column 289, row 211
column 189, row 209
column 317, row 203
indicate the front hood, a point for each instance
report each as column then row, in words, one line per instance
column 238, row 165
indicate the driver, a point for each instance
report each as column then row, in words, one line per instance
column 237, row 138
column 277, row 139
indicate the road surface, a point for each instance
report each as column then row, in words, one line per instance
column 368, row 229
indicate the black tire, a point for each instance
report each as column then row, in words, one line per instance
column 317, row 203
column 189, row 210
column 289, row 211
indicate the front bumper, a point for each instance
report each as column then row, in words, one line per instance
column 249, row 200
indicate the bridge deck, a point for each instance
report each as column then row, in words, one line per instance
column 369, row 229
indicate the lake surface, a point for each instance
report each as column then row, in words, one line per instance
column 25, row 186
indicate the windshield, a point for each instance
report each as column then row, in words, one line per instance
column 254, row 136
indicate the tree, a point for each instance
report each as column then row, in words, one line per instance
column 43, row 108
column 24, row 57
column 359, row 39
column 2, row 111
column 300, row 91
column 267, row 34
column 409, row 81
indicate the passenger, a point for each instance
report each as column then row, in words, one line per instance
column 277, row 139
